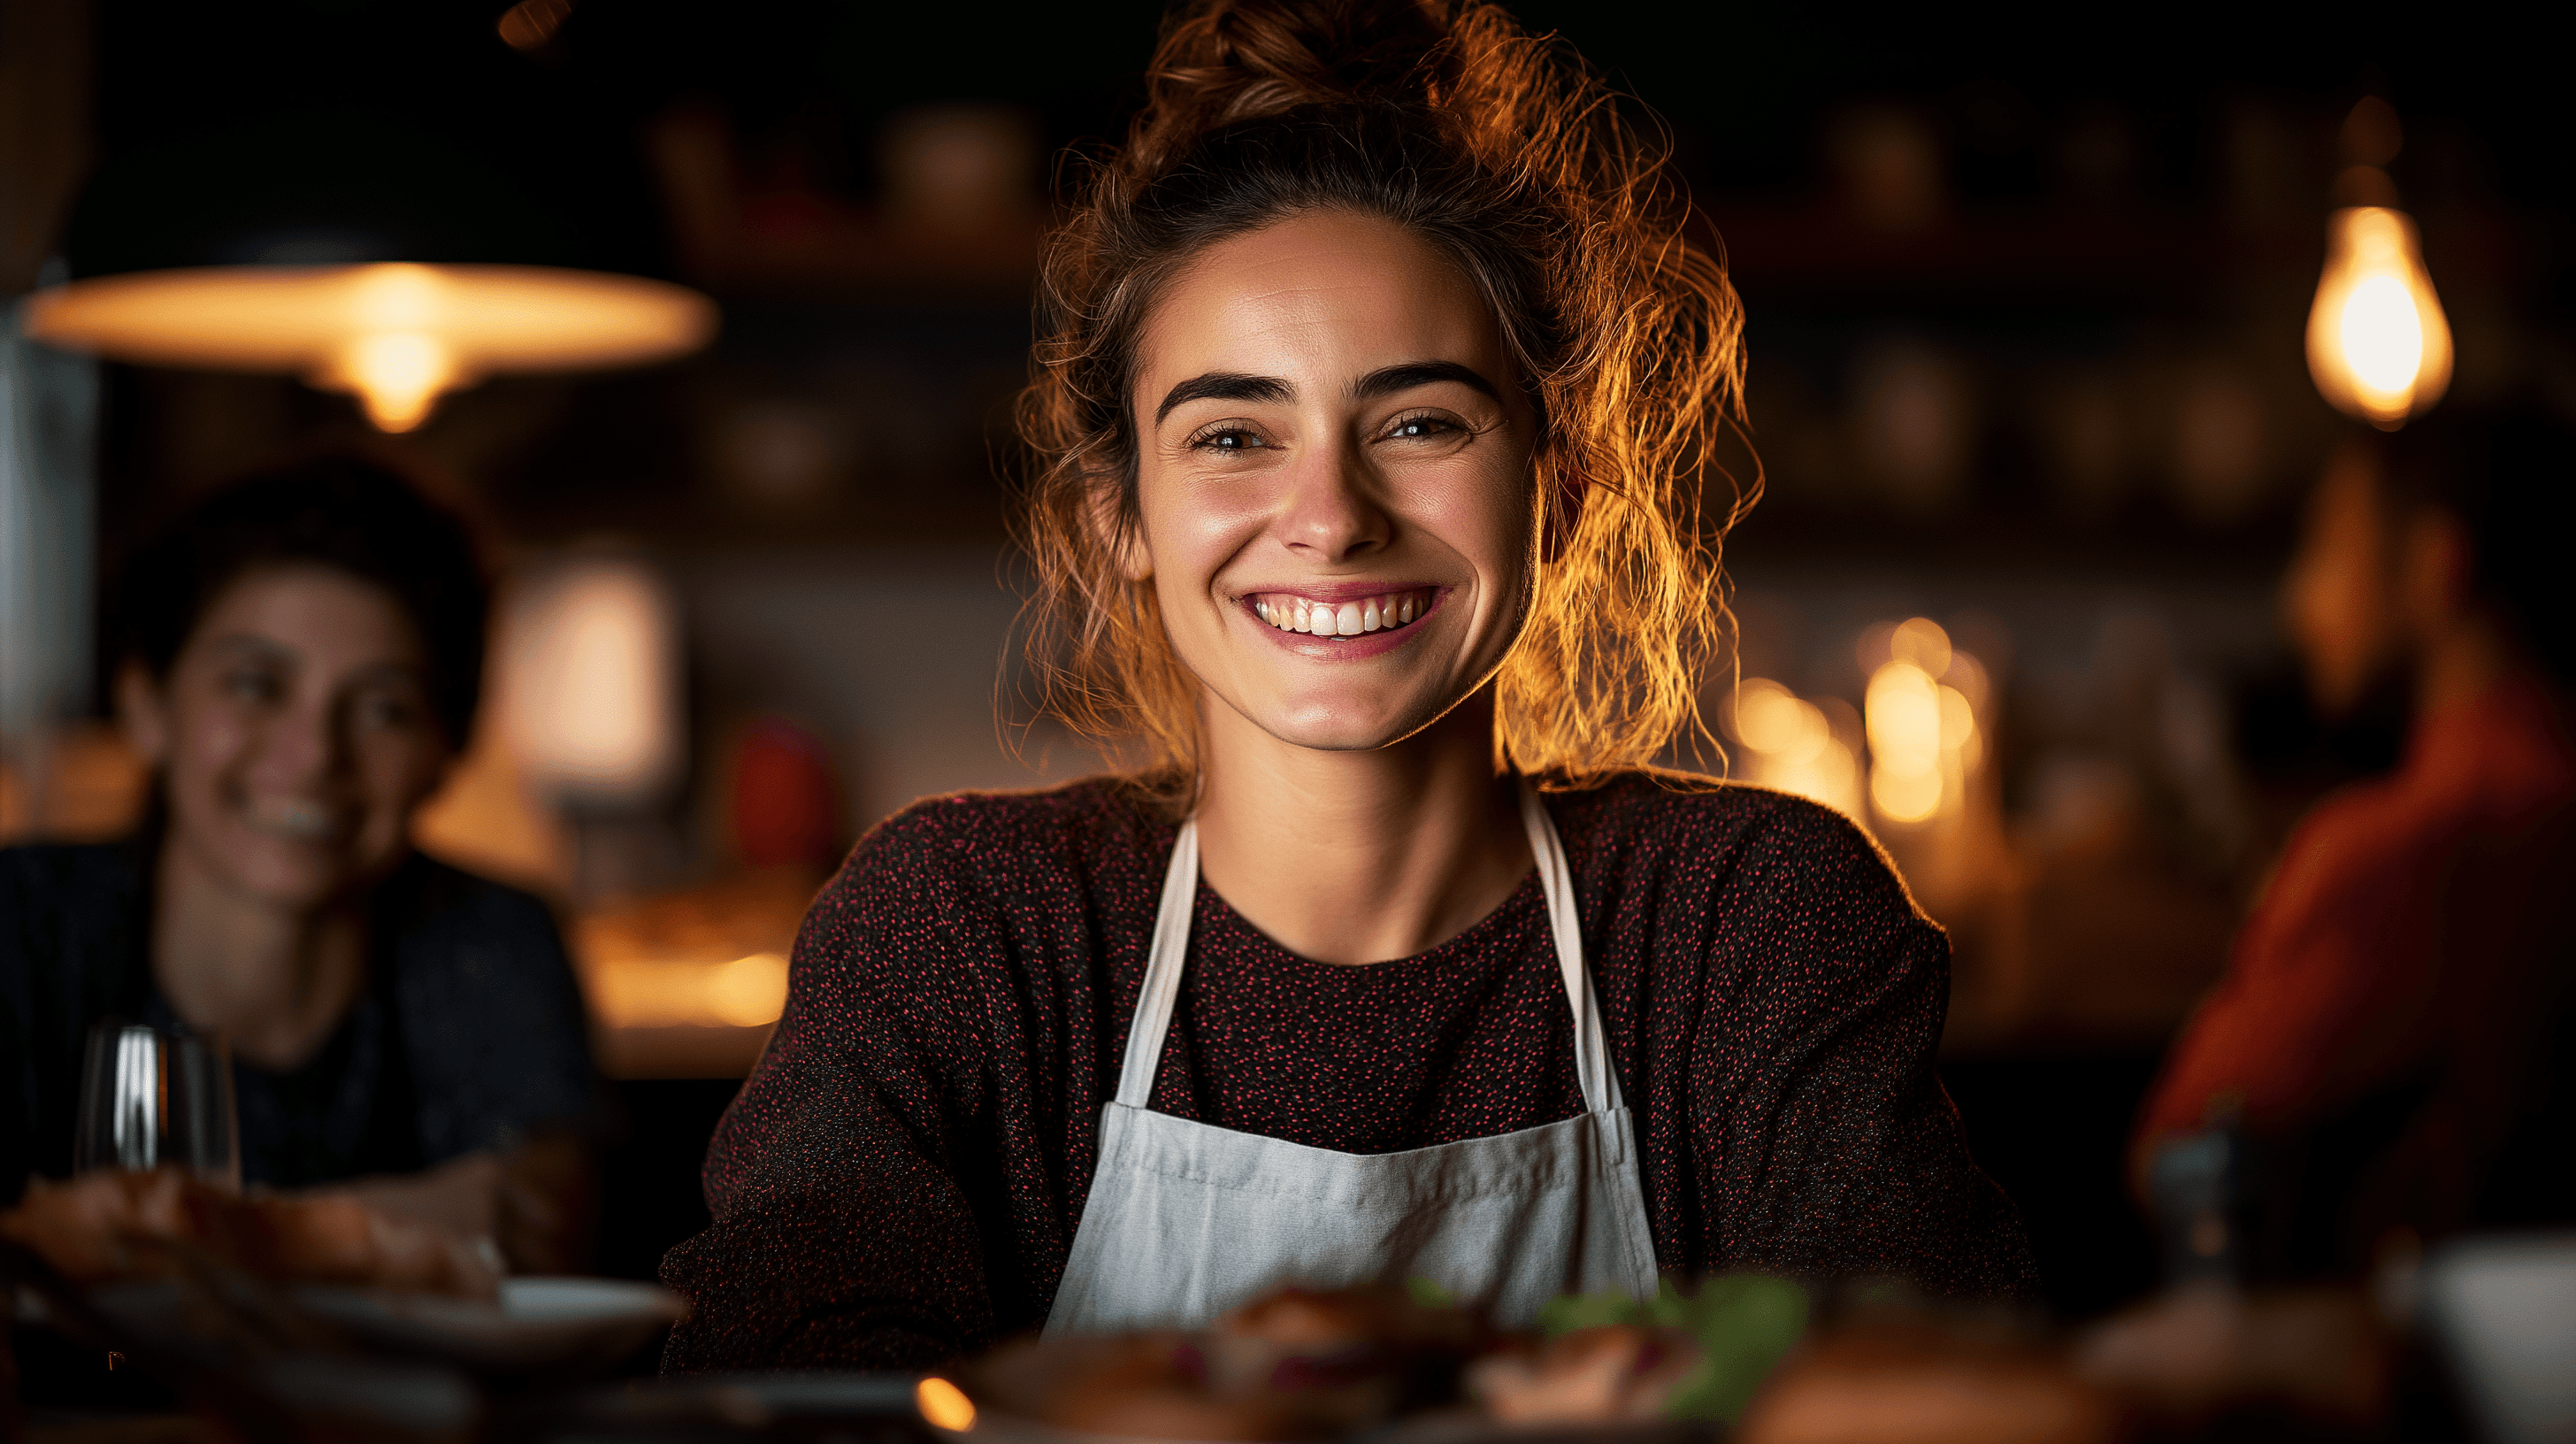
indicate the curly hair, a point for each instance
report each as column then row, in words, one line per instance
column 344, row 510
column 1501, row 150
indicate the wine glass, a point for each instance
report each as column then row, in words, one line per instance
column 157, row 1098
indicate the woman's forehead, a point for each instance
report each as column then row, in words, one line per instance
column 310, row 607
column 1321, row 298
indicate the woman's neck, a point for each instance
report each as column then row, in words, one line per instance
column 273, row 980
column 1359, row 857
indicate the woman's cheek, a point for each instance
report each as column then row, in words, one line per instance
column 400, row 771
column 210, row 743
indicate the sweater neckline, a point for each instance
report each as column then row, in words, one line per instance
column 1213, row 914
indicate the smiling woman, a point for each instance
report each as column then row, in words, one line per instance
column 299, row 661
column 1371, row 415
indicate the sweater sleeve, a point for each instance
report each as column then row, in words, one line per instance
column 1828, row 1144
column 842, row 1235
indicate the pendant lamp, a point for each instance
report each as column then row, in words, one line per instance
column 359, row 255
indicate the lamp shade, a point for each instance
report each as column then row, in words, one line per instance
column 396, row 333
column 362, row 255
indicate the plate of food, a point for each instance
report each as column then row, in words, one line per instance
column 1392, row 1363
column 538, row 1324
column 170, row 1260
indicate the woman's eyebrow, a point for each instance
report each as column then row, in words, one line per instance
column 253, row 643
column 1387, row 380
column 1225, row 386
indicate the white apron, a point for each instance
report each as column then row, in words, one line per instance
column 1186, row 1220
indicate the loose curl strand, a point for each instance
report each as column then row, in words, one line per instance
column 1502, row 150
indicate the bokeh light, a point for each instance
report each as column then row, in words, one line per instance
column 1923, row 736
column 1790, row 745
column 745, row 992
column 2378, row 344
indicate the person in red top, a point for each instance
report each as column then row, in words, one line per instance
column 2383, row 1027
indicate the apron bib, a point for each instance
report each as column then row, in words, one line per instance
column 1186, row 1220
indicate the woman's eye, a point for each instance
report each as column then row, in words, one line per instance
column 1418, row 428
column 1229, row 439
column 386, row 712
column 249, row 684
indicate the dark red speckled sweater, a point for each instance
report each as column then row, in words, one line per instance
column 900, row 1179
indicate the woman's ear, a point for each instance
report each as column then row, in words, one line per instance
column 142, row 713
column 1125, row 544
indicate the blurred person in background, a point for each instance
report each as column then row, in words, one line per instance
column 2392, row 1031
column 299, row 660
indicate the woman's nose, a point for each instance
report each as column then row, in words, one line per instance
column 303, row 744
column 1332, row 511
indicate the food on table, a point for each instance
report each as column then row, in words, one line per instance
column 2194, row 1353
column 1295, row 1364
column 1916, row 1384
column 123, row 1225
column 1740, row 1324
column 1623, row 1373
column 1305, row 1363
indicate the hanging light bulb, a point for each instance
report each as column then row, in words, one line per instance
column 2378, row 344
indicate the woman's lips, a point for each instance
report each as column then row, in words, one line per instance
column 293, row 818
column 1340, row 617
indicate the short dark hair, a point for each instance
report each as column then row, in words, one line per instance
column 2503, row 473
column 343, row 511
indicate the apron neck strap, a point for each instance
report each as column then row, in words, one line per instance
column 1556, row 883
column 1163, row 959
column 1171, row 944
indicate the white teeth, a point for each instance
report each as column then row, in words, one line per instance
column 291, row 817
column 1344, row 619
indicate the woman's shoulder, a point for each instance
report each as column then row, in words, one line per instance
column 70, row 908
column 1690, row 808
column 1078, row 825
column 53, row 875
column 1749, row 835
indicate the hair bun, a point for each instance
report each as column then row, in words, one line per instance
column 1223, row 61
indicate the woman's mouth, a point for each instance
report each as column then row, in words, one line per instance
column 1292, row 613
column 293, row 818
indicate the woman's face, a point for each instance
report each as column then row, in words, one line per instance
column 1334, row 475
column 294, row 734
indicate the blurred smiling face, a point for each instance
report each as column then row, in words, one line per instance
column 294, row 734
column 1335, row 481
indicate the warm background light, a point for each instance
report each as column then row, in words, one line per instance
column 590, row 682
column 944, row 1405
column 1921, row 717
column 1789, row 743
column 745, row 992
column 397, row 334
column 2378, row 344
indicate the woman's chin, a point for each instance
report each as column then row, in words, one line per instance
column 284, row 873
column 1344, row 728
